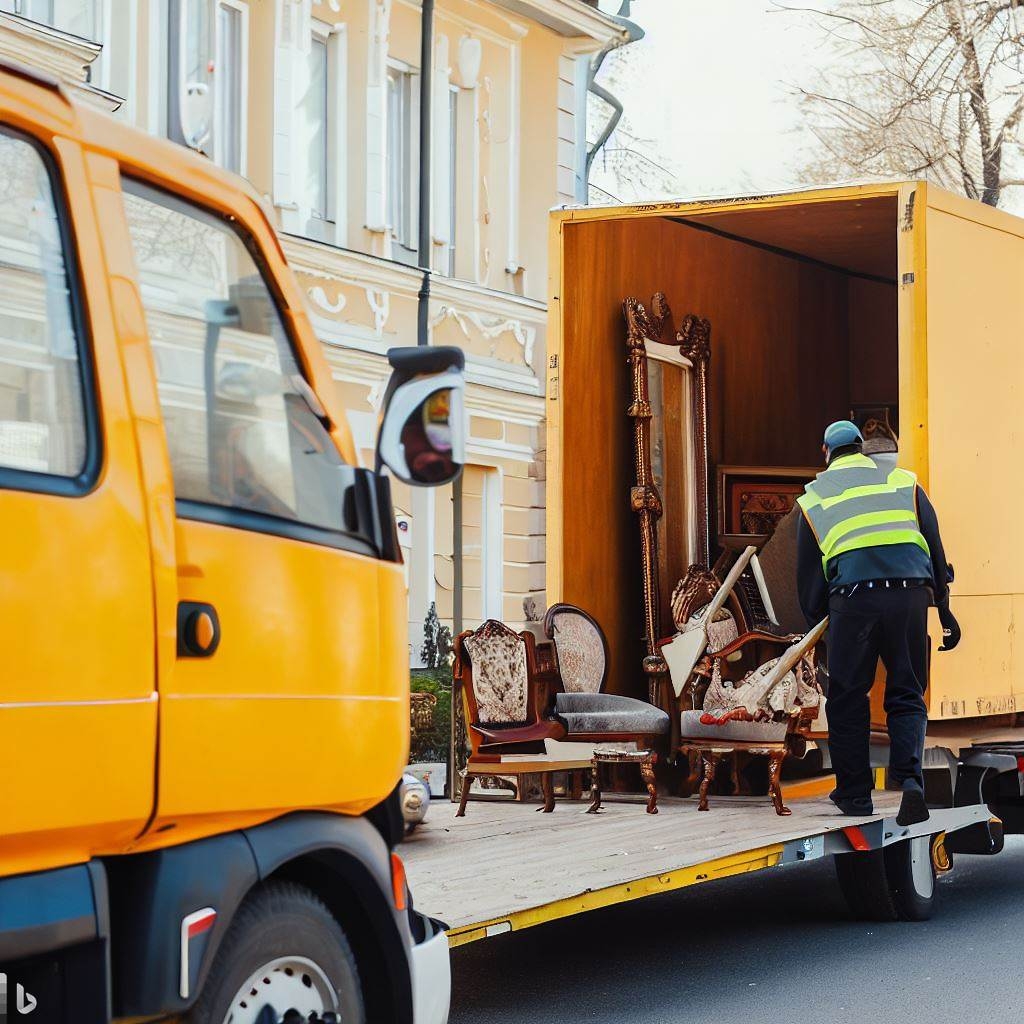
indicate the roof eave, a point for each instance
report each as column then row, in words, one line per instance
column 569, row 18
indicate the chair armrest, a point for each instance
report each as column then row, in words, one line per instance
column 742, row 641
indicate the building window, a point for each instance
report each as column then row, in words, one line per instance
column 448, row 262
column 403, row 162
column 42, row 406
column 316, row 109
column 230, row 85
column 78, row 17
column 243, row 428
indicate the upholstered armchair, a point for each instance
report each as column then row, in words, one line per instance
column 588, row 713
column 764, row 702
column 496, row 667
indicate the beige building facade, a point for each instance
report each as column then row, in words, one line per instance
column 317, row 104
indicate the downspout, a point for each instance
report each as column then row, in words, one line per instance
column 426, row 106
column 633, row 33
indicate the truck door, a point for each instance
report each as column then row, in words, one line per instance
column 77, row 703
column 283, row 693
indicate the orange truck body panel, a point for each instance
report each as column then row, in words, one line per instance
column 109, row 742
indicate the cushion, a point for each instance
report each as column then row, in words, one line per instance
column 499, row 674
column 608, row 713
column 691, row 727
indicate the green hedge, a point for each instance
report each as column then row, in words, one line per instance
column 433, row 745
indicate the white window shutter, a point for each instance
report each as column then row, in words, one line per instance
column 292, row 17
column 441, row 146
column 376, row 116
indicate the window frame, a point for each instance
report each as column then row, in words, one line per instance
column 244, row 41
column 247, row 519
column 86, row 480
column 407, row 174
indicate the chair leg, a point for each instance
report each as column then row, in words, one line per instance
column 775, row 760
column 710, row 759
column 548, row 788
column 694, row 773
column 647, row 773
column 595, row 790
column 467, row 781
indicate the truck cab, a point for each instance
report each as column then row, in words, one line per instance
column 204, row 693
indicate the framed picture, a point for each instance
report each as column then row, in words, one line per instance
column 875, row 420
column 753, row 499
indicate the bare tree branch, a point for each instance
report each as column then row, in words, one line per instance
column 919, row 87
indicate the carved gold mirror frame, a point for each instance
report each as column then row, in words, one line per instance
column 693, row 343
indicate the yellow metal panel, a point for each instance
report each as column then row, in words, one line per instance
column 975, row 384
column 981, row 677
column 724, row 867
column 553, row 431
column 77, row 707
column 305, row 702
column 912, row 312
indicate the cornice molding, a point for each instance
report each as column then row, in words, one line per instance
column 318, row 260
column 570, row 18
column 65, row 56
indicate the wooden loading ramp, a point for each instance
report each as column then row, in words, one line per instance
column 505, row 867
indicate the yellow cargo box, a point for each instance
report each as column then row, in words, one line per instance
column 898, row 300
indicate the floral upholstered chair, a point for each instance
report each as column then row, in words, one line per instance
column 769, row 708
column 496, row 667
column 588, row 713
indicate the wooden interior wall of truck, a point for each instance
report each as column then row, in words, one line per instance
column 795, row 342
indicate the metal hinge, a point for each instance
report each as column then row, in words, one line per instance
column 908, row 213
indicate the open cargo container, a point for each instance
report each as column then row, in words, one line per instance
column 899, row 295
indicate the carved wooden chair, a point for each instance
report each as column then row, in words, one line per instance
column 758, row 704
column 496, row 667
column 588, row 713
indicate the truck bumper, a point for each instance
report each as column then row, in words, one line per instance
column 431, row 976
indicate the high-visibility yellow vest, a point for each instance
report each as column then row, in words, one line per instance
column 855, row 503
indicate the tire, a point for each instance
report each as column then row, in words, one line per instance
column 865, row 885
column 284, row 951
column 911, row 873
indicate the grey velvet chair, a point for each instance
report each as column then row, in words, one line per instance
column 588, row 713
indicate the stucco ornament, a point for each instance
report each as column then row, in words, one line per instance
column 490, row 328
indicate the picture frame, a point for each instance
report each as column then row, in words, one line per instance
column 753, row 499
column 876, row 420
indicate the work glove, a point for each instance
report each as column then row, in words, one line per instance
column 950, row 627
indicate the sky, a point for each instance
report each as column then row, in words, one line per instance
column 714, row 91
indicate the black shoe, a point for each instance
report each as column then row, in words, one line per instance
column 913, row 809
column 855, row 806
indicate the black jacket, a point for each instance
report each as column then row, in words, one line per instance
column 813, row 588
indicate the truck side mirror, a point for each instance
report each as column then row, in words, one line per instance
column 422, row 437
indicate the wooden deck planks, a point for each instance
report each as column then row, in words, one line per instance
column 506, row 858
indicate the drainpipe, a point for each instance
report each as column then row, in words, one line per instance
column 426, row 105
column 633, row 33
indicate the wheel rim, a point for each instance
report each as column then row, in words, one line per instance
column 921, row 872
column 287, row 983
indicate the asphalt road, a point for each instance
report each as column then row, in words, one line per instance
column 776, row 947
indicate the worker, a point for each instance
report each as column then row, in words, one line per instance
column 870, row 557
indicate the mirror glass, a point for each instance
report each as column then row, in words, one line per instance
column 427, row 438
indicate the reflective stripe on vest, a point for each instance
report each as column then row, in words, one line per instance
column 855, row 503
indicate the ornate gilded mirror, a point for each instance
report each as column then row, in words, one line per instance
column 669, row 410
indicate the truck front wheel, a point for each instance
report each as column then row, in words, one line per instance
column 283, row 952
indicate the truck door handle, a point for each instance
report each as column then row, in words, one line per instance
column 198, row 629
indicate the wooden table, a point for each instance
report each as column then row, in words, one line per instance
column 644, row 758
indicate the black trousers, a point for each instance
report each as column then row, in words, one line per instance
column 891, row 624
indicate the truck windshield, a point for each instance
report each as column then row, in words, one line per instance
column 243, row 429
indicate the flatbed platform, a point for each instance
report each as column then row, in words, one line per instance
column 505, row 867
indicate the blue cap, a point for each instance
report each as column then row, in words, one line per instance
column 841, row 433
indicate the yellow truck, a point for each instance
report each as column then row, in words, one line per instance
column 897, row 303
column 204, row 700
